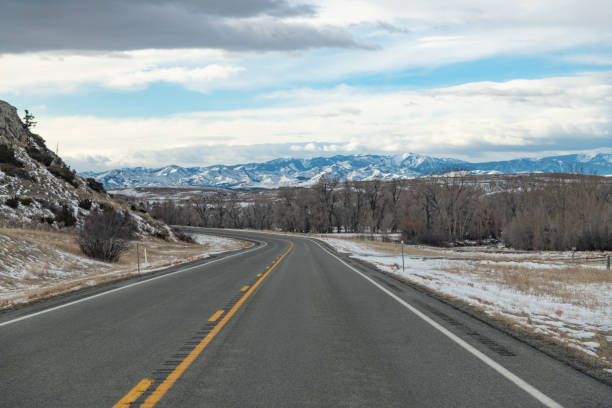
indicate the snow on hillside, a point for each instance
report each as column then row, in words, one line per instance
column 305, row 172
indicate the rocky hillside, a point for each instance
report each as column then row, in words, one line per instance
column 37, row 188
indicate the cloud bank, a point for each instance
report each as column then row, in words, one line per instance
column 245, row 25
column 71, row 46
column 471, row 120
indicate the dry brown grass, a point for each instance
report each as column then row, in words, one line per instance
column 582, row 258
column 564, row 283
column 391, row 248
column 42, row 271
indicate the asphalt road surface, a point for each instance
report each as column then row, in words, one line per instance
column 284, row 324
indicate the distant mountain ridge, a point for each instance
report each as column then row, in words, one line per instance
column 305, row 172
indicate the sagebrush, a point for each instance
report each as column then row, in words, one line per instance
column 105, row 235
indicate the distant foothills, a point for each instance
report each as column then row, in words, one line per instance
column 306, row 172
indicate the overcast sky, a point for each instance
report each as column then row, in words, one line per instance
column 193, row 82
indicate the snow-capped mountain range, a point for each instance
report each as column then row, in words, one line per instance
column 305, row 172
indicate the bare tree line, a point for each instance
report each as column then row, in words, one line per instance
column 528, row 212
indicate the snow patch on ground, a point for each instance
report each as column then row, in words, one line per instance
column 215, row 244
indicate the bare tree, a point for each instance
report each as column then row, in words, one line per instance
column 530, row 212
column 324, row 191
column 201, row 206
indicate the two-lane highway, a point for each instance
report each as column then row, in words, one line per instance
column 286, row 324
column 92, row 352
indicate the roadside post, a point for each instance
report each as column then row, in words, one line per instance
column 403, row 267
column 138, row 257
column 145, row 254
column 608, row 263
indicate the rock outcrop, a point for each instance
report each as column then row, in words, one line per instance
column 38, row 188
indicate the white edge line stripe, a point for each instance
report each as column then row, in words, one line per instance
column 534, row 392
column 130, row 285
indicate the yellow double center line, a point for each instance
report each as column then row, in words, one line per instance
column 162, row 388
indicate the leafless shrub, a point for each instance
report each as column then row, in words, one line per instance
column 162, row 234
column 94, row 185
column 43, row 155
column 183, row 237
column 12, row 202
column 65, row 216
column 15, row 171
column 85, row 204
column 105, row 235
column 7, row 155
column 64, row 172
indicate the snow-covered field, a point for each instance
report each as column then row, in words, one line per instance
column 546, row 293
column 36, row 264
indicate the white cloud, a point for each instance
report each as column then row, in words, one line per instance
column 190, row 77
column 308, row 147
column 562, row 113
column 320, row 147
column 591, row 59
column 68, row 72
column 474, row 12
